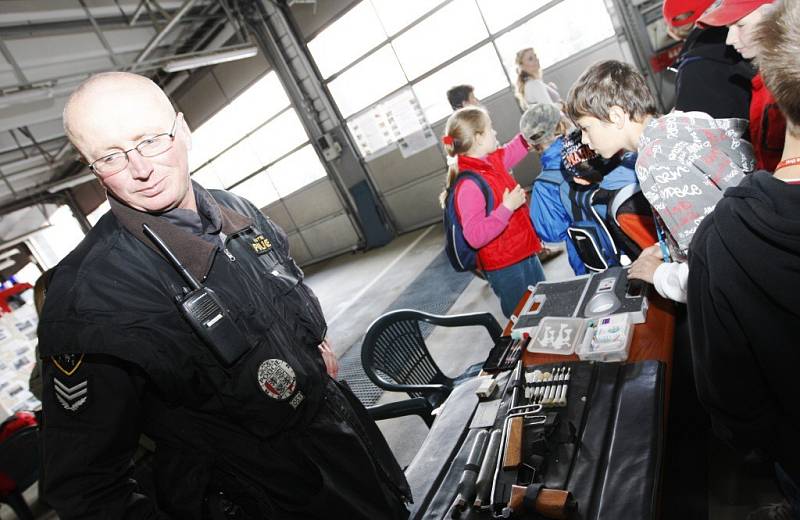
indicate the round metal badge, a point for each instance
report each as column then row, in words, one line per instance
column 277, row 379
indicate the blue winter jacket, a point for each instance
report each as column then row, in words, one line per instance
column 549, row 200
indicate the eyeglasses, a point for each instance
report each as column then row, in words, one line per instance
column 150, row 147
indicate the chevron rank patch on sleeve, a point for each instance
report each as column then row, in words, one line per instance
column 71, row 398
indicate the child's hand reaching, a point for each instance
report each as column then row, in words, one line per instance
column 514, row 198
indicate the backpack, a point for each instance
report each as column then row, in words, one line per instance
column 462, row 256
column 588, row 230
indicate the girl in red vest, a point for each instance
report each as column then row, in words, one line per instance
column 504, row 237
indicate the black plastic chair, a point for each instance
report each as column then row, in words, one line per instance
column 396, row 358
column 19, row 461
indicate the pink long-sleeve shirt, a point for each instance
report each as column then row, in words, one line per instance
column 480, row 228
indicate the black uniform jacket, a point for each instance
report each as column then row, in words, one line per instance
column 744, row 311
column 273, row 432
column 712, row 77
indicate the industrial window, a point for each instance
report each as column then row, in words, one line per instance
column 430, row 91
column 500, row 16
column 396, row 15
column 253, row 107
column 367, row 81
column 432, row 46
column 236, row 163
column 278, row 137
column 347, row 39
column 208, row 178
column 258, row 189
column 241, row 146
column 282, row 178
column 589, row 23
column 442, row 35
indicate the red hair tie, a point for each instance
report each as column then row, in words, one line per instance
column 448, row 140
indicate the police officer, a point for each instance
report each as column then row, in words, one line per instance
column 263, row 433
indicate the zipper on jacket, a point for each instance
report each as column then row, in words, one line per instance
column 228, row 254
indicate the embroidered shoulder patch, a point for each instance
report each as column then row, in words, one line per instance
column 71, row 398
column 67, row 363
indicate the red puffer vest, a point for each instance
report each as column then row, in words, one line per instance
column 767, row 126
column 518, row 240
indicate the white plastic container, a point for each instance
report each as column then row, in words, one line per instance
column 558, row 335
column 607, row 338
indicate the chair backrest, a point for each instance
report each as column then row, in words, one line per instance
column 19, row 456
column 394, row 351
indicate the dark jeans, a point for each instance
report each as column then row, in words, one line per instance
column 510, row 283
column 790, row 490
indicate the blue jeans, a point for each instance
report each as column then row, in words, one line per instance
column 790, row 490
column 510, row 283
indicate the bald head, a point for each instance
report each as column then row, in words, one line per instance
column 118, row 112
column 107, row 97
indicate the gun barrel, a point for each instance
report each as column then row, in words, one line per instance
column 484, row 482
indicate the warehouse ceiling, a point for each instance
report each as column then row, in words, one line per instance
column 47, row 47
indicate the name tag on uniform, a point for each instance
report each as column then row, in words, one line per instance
column 260, row 245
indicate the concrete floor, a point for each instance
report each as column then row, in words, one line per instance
column 355, row 289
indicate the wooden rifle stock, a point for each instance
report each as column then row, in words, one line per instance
column 550, row 503
column 512, row 457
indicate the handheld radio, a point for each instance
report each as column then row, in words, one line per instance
column 204, row 311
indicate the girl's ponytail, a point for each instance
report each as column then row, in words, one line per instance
column 452, row 166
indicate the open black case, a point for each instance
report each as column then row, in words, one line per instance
column 605, row 446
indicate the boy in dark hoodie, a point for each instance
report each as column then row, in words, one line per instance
column 744, row 282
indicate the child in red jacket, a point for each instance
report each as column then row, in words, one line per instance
column 767, row 123
column 504, row 237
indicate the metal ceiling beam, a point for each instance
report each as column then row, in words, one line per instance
column 99, row 33
column 137, row 12
column 77, row 26
column 158, row 37
column 10, row 59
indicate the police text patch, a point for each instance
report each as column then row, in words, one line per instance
column 260, row 245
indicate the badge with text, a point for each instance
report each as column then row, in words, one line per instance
column 278, row 380
column 260, row 244
column 72, row 397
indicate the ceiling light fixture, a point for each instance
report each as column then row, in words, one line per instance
column 213, row 58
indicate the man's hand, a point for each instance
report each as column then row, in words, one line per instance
column 645, row 266
column 331, row 363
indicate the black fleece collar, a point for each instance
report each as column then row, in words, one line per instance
column 194, row 253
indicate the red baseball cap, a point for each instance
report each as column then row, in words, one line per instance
column 728, row 12
column 678, row 13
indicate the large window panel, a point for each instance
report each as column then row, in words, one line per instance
column 499, row 17
column 589, row 23
column 346, row 39
column 442, row 35
column 208, row 178
column 396, row 15
column 489, row 78
column 295, row 171
column 259, row 102
column 213, row 136
column 278, row 137
column 367, row 82
column 236, row 164
column 258, row 189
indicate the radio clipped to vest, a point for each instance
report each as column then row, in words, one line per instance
column 204, row 311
